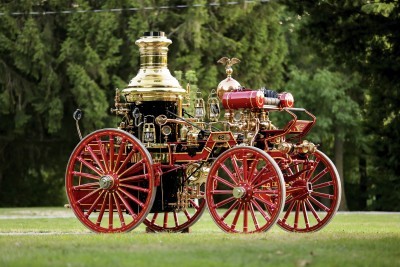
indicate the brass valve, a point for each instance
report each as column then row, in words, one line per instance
column 303, row 148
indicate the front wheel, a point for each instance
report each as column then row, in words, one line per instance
column 245, row 190
column 110, row 181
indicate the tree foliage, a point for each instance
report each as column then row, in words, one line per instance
column 52, row 64
column 340, row 59
column 365, row 36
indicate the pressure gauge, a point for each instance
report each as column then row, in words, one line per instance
column 166, row 130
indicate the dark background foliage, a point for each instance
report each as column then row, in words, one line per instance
column 340, row 59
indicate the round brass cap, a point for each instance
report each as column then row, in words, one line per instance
column 227, row 85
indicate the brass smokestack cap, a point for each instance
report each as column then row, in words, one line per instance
column 154, row 81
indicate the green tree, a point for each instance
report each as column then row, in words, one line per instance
column 365, row 36
column 52, row 64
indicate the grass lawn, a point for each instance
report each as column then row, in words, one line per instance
column 54, row 237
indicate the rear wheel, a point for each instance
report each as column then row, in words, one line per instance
column 245, row 190
column 110, row 181
column 313, row 198
column 178, row 220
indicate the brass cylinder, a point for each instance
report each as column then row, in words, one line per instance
column 154, row 81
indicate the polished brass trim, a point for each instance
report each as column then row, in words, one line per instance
column 154, row 81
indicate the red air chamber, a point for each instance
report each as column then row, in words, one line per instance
column 243, row 99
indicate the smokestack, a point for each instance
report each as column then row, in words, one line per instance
column 154, row 81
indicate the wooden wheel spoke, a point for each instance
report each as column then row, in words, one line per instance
column 95, row 158
column 313, row 211
column 266, row 202
column 245, row 168
column 305, row 215
column 103, row 153
column 288, row 211
column 111, row 148
column 222, row 192
column 90, row 166
column 224, row 202
column 126, row 193
column 228, row 211
column 230, row 174
column 187, row 214
column 236, row 218
column 125, row 162
column 120, row 152
column 296, row 215
column 263, row 182
column 318, row 194
column 235, row 166
column 88, row 195
column 165, row 222
column 259, row 174
column 176, row 220
column 322, row 185
column 258, row 207
column 140, row 165
column 137, row 188
column 155, row 215
column 245, row 217
column 135, row 178
column 194, row 205
column 319, row 204
column 314, row 165
column 127, row 206
column 86, row 175
column 253, row 216
column 94, row 204
column 293, row 189
column 120, row 215
column 319, row 175
column 289, row 199
column 83, row 186
column 101, row 213
column 253, row 168
column 222, row 180
column 295, row 198
column 110, row 212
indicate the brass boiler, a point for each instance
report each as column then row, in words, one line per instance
column 154, row 81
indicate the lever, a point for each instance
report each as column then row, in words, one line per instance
column 77, row 116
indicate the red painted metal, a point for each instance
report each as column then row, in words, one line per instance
column 245, row 190
column 286, row 100
column 111, row 172
column 243, row 99
column 313, row 197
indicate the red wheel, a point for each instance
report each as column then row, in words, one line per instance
column 177, row 221
column 110, row 181
column 313, row 193
column 245, row 190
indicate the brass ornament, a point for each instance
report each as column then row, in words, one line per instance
column 229, row 84
column 154, row 81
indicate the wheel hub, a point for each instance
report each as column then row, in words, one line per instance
column 238, row 192
column 309, row 187
column 106, row 182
